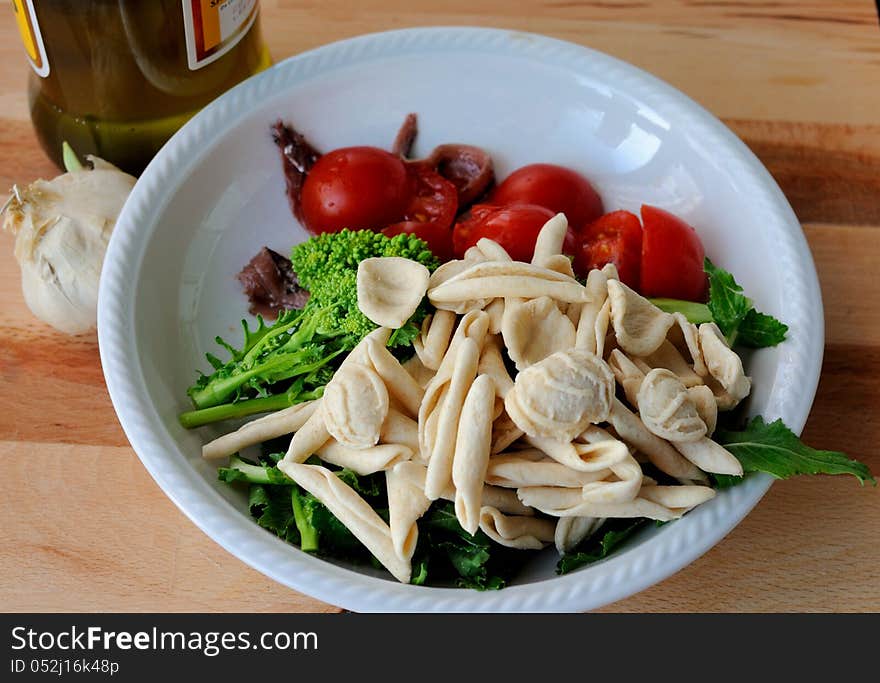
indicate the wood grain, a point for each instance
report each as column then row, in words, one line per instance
column 84, row 528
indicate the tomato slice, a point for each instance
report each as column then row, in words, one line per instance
column 514, row 227
column 433, row 198
column 554, row 187
column 614, row 238
column 430, row 212
column 672, row 257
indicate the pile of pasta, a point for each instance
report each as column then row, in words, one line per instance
column 605, row 382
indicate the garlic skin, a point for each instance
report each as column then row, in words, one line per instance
column 62, row 227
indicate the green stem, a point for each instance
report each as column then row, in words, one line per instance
column 695, row 312
column 308, row 535
column 227, row 411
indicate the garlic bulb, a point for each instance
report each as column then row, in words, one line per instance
column 62, row 227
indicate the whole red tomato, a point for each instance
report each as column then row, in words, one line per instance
column 514, row 227
column 672, row 257
column 356, row 188
column 554, row 187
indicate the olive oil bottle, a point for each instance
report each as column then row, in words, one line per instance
column 117, row 78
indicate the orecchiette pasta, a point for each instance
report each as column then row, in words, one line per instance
column 390, row 289
column 535, row 329
column 666, row 408
column 561, row 395
column 639, row 326
column 355, row 405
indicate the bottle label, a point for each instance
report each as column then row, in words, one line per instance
column 26, row 19
column 214, row 27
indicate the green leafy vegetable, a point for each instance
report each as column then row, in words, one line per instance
column 471, row 561
column 598, row 546
column 735, row 314
column 308, row 534
column 291, row 360
column 773, row 448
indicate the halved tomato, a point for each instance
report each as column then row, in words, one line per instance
column 614, row 238
column 672, row 257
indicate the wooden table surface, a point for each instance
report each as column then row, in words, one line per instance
column 83, row 527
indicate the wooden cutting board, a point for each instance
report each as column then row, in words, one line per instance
column 84, row 528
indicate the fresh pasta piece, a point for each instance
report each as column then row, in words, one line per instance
column 666, row 408
column 471, row 456
column 687, row 340
column 514, row 531
column 353, row 511
column 262, row 429
column 400, row 429
column 433, row 342
column 662, row 455
column 669, row 357
column 628, row 375
column 504, row 433
column 639, row 326
column 561, row 264
column 492, row 251
column 492, row 364
column 723, row 363
column 704, row 401
column 710, row 456
column 570, row 532
column 308, row 439
column 677, row 498
column 624, row 487
column 582, row 457
column 390, row 289
column 397, row 380
column 522, row 468
column 535, row 329
column 441, row 455
column 355, row 405
column 364, row 461
column 561, row 395
column 418, row 371
column 505, row 500
column 407, row 502
column 495, row 311
column 513, row 279
column 560, row 502
column 452, row 269
column 550, row 239
column 587, row 330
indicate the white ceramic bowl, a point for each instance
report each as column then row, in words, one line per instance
column 215, row 194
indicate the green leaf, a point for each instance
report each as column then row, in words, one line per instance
column 598, row 547
column 773, row 448
column 758, row 330
column 735, row 314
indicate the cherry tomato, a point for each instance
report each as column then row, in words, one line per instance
column 614, row 238
column 514, row 227
column 554, row 187
column 356, row 188
column 672, row 257
column 431, row 210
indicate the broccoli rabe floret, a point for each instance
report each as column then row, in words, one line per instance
column 321, row 256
